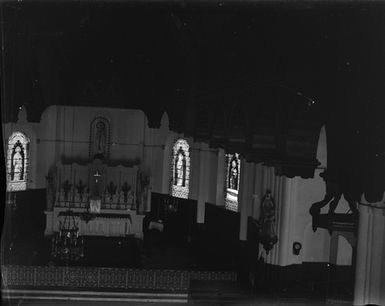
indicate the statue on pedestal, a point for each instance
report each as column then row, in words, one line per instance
column 268, row 235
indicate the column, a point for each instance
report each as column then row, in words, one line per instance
column 370, row 265
column 220, row 196
column 203, row 182
column 257, row 191
column 286, row 220
column 245, row 199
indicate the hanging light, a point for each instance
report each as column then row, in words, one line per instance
column 67, row 244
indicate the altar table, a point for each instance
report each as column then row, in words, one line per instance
column 109, row 225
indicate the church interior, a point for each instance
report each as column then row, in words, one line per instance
column 193, row 152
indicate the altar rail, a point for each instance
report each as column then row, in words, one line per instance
column 110, row 278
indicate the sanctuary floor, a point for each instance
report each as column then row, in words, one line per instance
column 124, row 252
column 130, row 252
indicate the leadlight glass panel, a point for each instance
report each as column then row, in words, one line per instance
column 17, row 162
column 233, row 175
column 180, row 165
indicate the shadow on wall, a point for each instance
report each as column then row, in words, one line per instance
column 316, row 245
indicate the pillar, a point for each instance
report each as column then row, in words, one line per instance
column 203, row 182
column 370, row 265
column 286, row 221
column 220, row 196
column 245, row 199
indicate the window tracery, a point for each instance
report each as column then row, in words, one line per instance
column 233, row 171
column 17, row 162
column 180, row 165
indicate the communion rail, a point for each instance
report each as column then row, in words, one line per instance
column 106, row 278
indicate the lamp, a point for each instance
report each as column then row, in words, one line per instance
column 67, row 245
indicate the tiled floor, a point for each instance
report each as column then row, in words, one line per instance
column 259, row 301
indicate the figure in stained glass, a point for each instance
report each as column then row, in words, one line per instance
column 17, row 170
column 180, row 169
column 17, row 162
column 232, row 181
column 233, row 173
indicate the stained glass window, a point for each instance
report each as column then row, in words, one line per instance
column 233, row 175
column 17, row 162
column 180, row 175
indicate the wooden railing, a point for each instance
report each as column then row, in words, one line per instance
column 107, row 278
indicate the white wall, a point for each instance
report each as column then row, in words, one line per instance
column 64, row 131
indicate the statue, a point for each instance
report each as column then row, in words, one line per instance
column 100, row 137
column 332, row 197
column 268, row 236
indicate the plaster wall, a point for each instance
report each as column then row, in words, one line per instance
column 64, row 132
column 293, row 198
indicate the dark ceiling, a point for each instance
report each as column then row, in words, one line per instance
column 258, row 77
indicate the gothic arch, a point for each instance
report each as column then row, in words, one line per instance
column 180, row 168
column 232, row 180
column 18, row 161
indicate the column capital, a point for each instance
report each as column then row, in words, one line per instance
column 375, row 208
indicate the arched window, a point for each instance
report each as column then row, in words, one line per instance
column 180, row 165
column 17, row 162
column 100, row 138
column 233, row 175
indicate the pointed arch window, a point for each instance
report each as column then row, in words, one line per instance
column 100, row 138
column 180, row 165
column 233, row 175
column 17, row 162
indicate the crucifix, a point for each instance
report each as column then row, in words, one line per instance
column 96, row 186
column 97, row 175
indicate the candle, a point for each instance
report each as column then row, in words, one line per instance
column 59, row 187
column 74, row 183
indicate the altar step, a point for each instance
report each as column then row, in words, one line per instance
column 15, row 295
column 212, row 292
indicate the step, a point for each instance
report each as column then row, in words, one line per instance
column 94, row 296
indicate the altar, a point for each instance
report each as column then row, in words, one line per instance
column 103, row 224
column 101, row 199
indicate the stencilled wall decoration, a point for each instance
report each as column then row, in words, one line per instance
column 233, row 175
column 180, row 165
column 17, row 162
column 100, row 132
